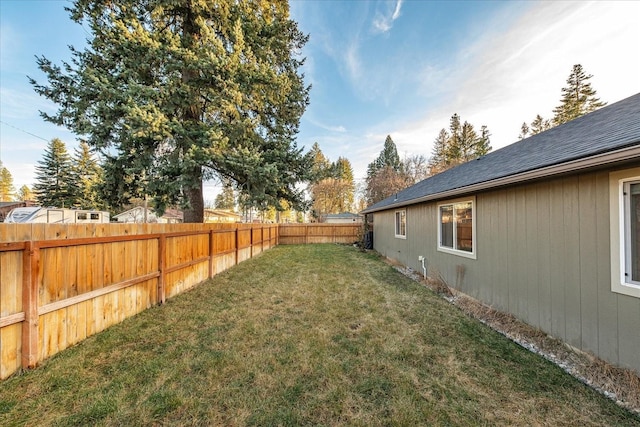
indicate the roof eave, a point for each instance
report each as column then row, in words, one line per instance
column 602, row 159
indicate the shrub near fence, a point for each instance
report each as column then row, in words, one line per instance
column 60, row 284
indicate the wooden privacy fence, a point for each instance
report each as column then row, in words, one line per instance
column 60, row 284
column 290, row 234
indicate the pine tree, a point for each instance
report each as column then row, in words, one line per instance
column 483, row 143
column 7, row 190
column 439, row 160
column 459, row 145
column 344, row 172
column 320, row 165
column 226, row 199
column 388, row 158
column 524, row 131
column 540, row 124
column 175, row 92
column 25, row 194
column 54, row 186
column 385, row 175
column 87, row 176
column 578, row 97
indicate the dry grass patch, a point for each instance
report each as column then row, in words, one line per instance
column 303, row 335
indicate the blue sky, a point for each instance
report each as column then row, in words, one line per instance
column 377, row 68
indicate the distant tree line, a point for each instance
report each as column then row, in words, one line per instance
column 578, row 99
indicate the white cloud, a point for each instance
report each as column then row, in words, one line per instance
column 509, row 76
column 383, row 21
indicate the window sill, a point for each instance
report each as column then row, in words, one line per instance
column 470, row 255
column 626, row 289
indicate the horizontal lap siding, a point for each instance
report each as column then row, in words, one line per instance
column 543, row 254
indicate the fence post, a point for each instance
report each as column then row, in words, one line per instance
column 30, row 272
column 162, row 251
column 212, row 251
column 237, row 228
column 251, row 242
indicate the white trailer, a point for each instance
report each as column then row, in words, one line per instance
column 56, row 216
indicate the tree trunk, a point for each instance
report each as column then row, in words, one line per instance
column 195, row 212
column 193, row 191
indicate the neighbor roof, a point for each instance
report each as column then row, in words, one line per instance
column 612, row 129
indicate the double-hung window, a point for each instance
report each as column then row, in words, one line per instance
column 625, row 231
column 401, row 224
column 456, row 228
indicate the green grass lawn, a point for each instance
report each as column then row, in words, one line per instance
column 303, row 335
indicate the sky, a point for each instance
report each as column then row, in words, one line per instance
column 377, row 68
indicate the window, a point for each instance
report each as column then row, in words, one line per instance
column 401, row 224
column 631, row 195
column 81, row 215
column 456, row 231
column 625, row 231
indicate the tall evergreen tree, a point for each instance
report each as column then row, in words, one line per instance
column 320, row 165
column 25, row 194
column 385, row 175
column 54, row 176
column 459, row 145
column 388, row 157
column 194, row 89
column 524, row 131
column 439, row 160
column 344, row 172
column 7, row 190
column 226, row 199
column 87, row 177
column 578, row 97
column 540, row 124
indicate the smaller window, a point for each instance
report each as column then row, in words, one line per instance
column 401, row 224
column 95, row 216
column 456, row 233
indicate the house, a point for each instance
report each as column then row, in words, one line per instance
column 221, row 215
column 547, row 229
column 343, row 218
column 138, row 215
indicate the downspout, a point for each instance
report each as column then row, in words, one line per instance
column 424, row 267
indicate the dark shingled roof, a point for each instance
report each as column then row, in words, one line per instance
column 608, row 129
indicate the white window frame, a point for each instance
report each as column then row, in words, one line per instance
column 474, row 222
column 403, row 216
column 620, row 246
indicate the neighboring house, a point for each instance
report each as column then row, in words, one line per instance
column 547, row 229
column 6, row 207
column 221, row 215
column 342, row 218
column 137, row 215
